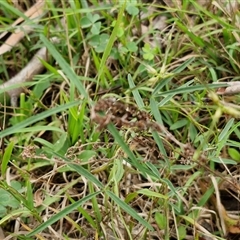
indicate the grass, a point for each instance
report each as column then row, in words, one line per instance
column 123, row 135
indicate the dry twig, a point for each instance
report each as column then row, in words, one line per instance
column 35, row 13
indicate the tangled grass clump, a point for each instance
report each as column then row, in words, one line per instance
column 123, row 127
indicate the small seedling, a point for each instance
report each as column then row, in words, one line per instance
column 91, row 21
column 132, row 8
column 148, row 52
column 99, row 42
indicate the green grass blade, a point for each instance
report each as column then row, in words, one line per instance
column 39, row 129
column 225, row 132
column 36, row 118
column 188, row 89
column 6, row 157
column 159, row 143
column 155, row 110
column 134, row 161
column 150, row 193
column 61, row 214
column 135, row 92
column 179, row 69
column 129, row 210
column 15, row 10
column 218, row 19
column 29, row 196
column 66, row 68
column 111, row 42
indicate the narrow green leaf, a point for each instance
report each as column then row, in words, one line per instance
column 182, row 232
column 66, row 68
column 44, row 142
column 192, row 36
column 87, row 216
column 198, row 41
column 223, row 136
column 150, row 193
column 182, row 167
column 192, row 131
column 129, row 210
column 112, row 39
column 226, row 160
column 155, row 110
column 134, row 161
column 39, row 129
column 61, row 214
column 161, row 220
column 179, row 69
column 36, row 118
column 14, row 10
column 159, row 143
column 181, row 123
column 6, row 157
column 225, row 132
column 29, row 197
column 234, row 154
column 203, row 200
column 218, row 19
column 154, row 169
column 135, row 92
column 188, row 89
column 119, row 171
column 130, row 197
